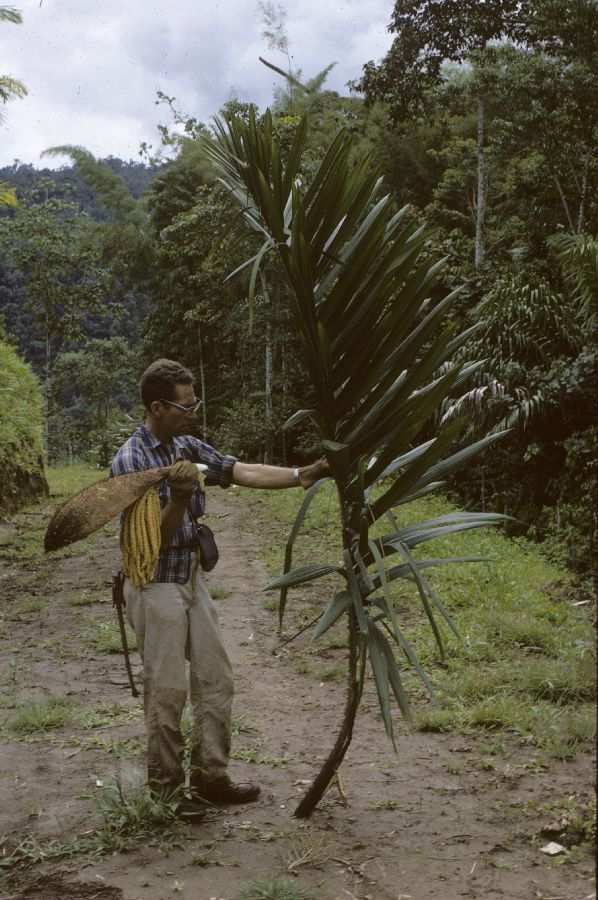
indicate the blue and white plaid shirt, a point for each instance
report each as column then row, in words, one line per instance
column 142, row 451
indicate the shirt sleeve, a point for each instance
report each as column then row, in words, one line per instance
column 220, row 466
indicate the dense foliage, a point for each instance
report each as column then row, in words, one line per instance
column 21, row 421
column 484, row 119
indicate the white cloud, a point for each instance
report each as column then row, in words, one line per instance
column 92, row 70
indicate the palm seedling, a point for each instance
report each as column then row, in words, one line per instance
column 360, row 277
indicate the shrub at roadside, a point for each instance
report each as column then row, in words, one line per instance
column 21, row 457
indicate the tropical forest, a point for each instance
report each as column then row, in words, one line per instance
column 402, row 280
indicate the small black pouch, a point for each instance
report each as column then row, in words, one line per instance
column 208, row 551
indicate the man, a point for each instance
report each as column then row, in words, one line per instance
column 173, row 616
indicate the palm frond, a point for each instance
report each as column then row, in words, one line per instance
column 382, row 361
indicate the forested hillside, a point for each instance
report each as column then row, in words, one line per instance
column 484, row 124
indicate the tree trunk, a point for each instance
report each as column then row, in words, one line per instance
column 269, row 411
column 283, row 375
column 481, row 200
column 318, row 788
column 320, row 784
column 581, row 217
column 47, row 389
column 202, row 381
column 564, row 202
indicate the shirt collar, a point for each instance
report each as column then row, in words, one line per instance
column 151, row 441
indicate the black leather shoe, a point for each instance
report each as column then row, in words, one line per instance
column 190, row 810
column 226, row 791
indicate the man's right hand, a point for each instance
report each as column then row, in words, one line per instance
column 182, row 481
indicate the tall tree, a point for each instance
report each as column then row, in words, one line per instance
column 429, row 34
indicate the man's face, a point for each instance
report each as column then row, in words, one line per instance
column 174, row 420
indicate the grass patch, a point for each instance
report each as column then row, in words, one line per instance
column 41, row 715
column 219, row 593
column 34, row 605
column 274, row 889
column 123, row 821
column 86, row 598
column 104, row 636
column 24, row 541
column 240, row 726
column 64, row 481
column 123, row 748
column 253, row 755
column 270, row 603
column 110, row 714
column 576, row 817
column 336, row 673
column 527, row 661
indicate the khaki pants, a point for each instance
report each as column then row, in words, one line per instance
column 174, row 622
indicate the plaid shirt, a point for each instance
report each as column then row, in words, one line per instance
column 142, row 451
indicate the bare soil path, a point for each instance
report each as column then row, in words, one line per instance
column 447, row 817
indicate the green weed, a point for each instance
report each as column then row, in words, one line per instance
column 123, row 748
column 578, row 818
column 40, row 715
column 387, row 804
column 274, row 889
column 240, row 726
column 336, row 673
column 110, row 714
column 31, row 606
column 124, row 821
column 454, row 767
column 253, row 755
column 84, row 599
column 247, row 755
column 270, row 603
column 218, row 593
column 104, row 636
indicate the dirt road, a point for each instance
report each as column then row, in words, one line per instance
column 449, row 816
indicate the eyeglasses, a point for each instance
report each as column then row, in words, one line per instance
column 186, row 410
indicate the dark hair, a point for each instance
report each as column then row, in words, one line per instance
column 159, row 380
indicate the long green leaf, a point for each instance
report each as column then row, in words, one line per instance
column 339, row 604
column 297, row 417
column 394, row 675
column 379, row 665
column 288, row 553
column 355, row 592
column 301, row 575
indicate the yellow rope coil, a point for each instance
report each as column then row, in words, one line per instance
column 140, row 538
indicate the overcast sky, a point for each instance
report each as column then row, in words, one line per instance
column 92, row 67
